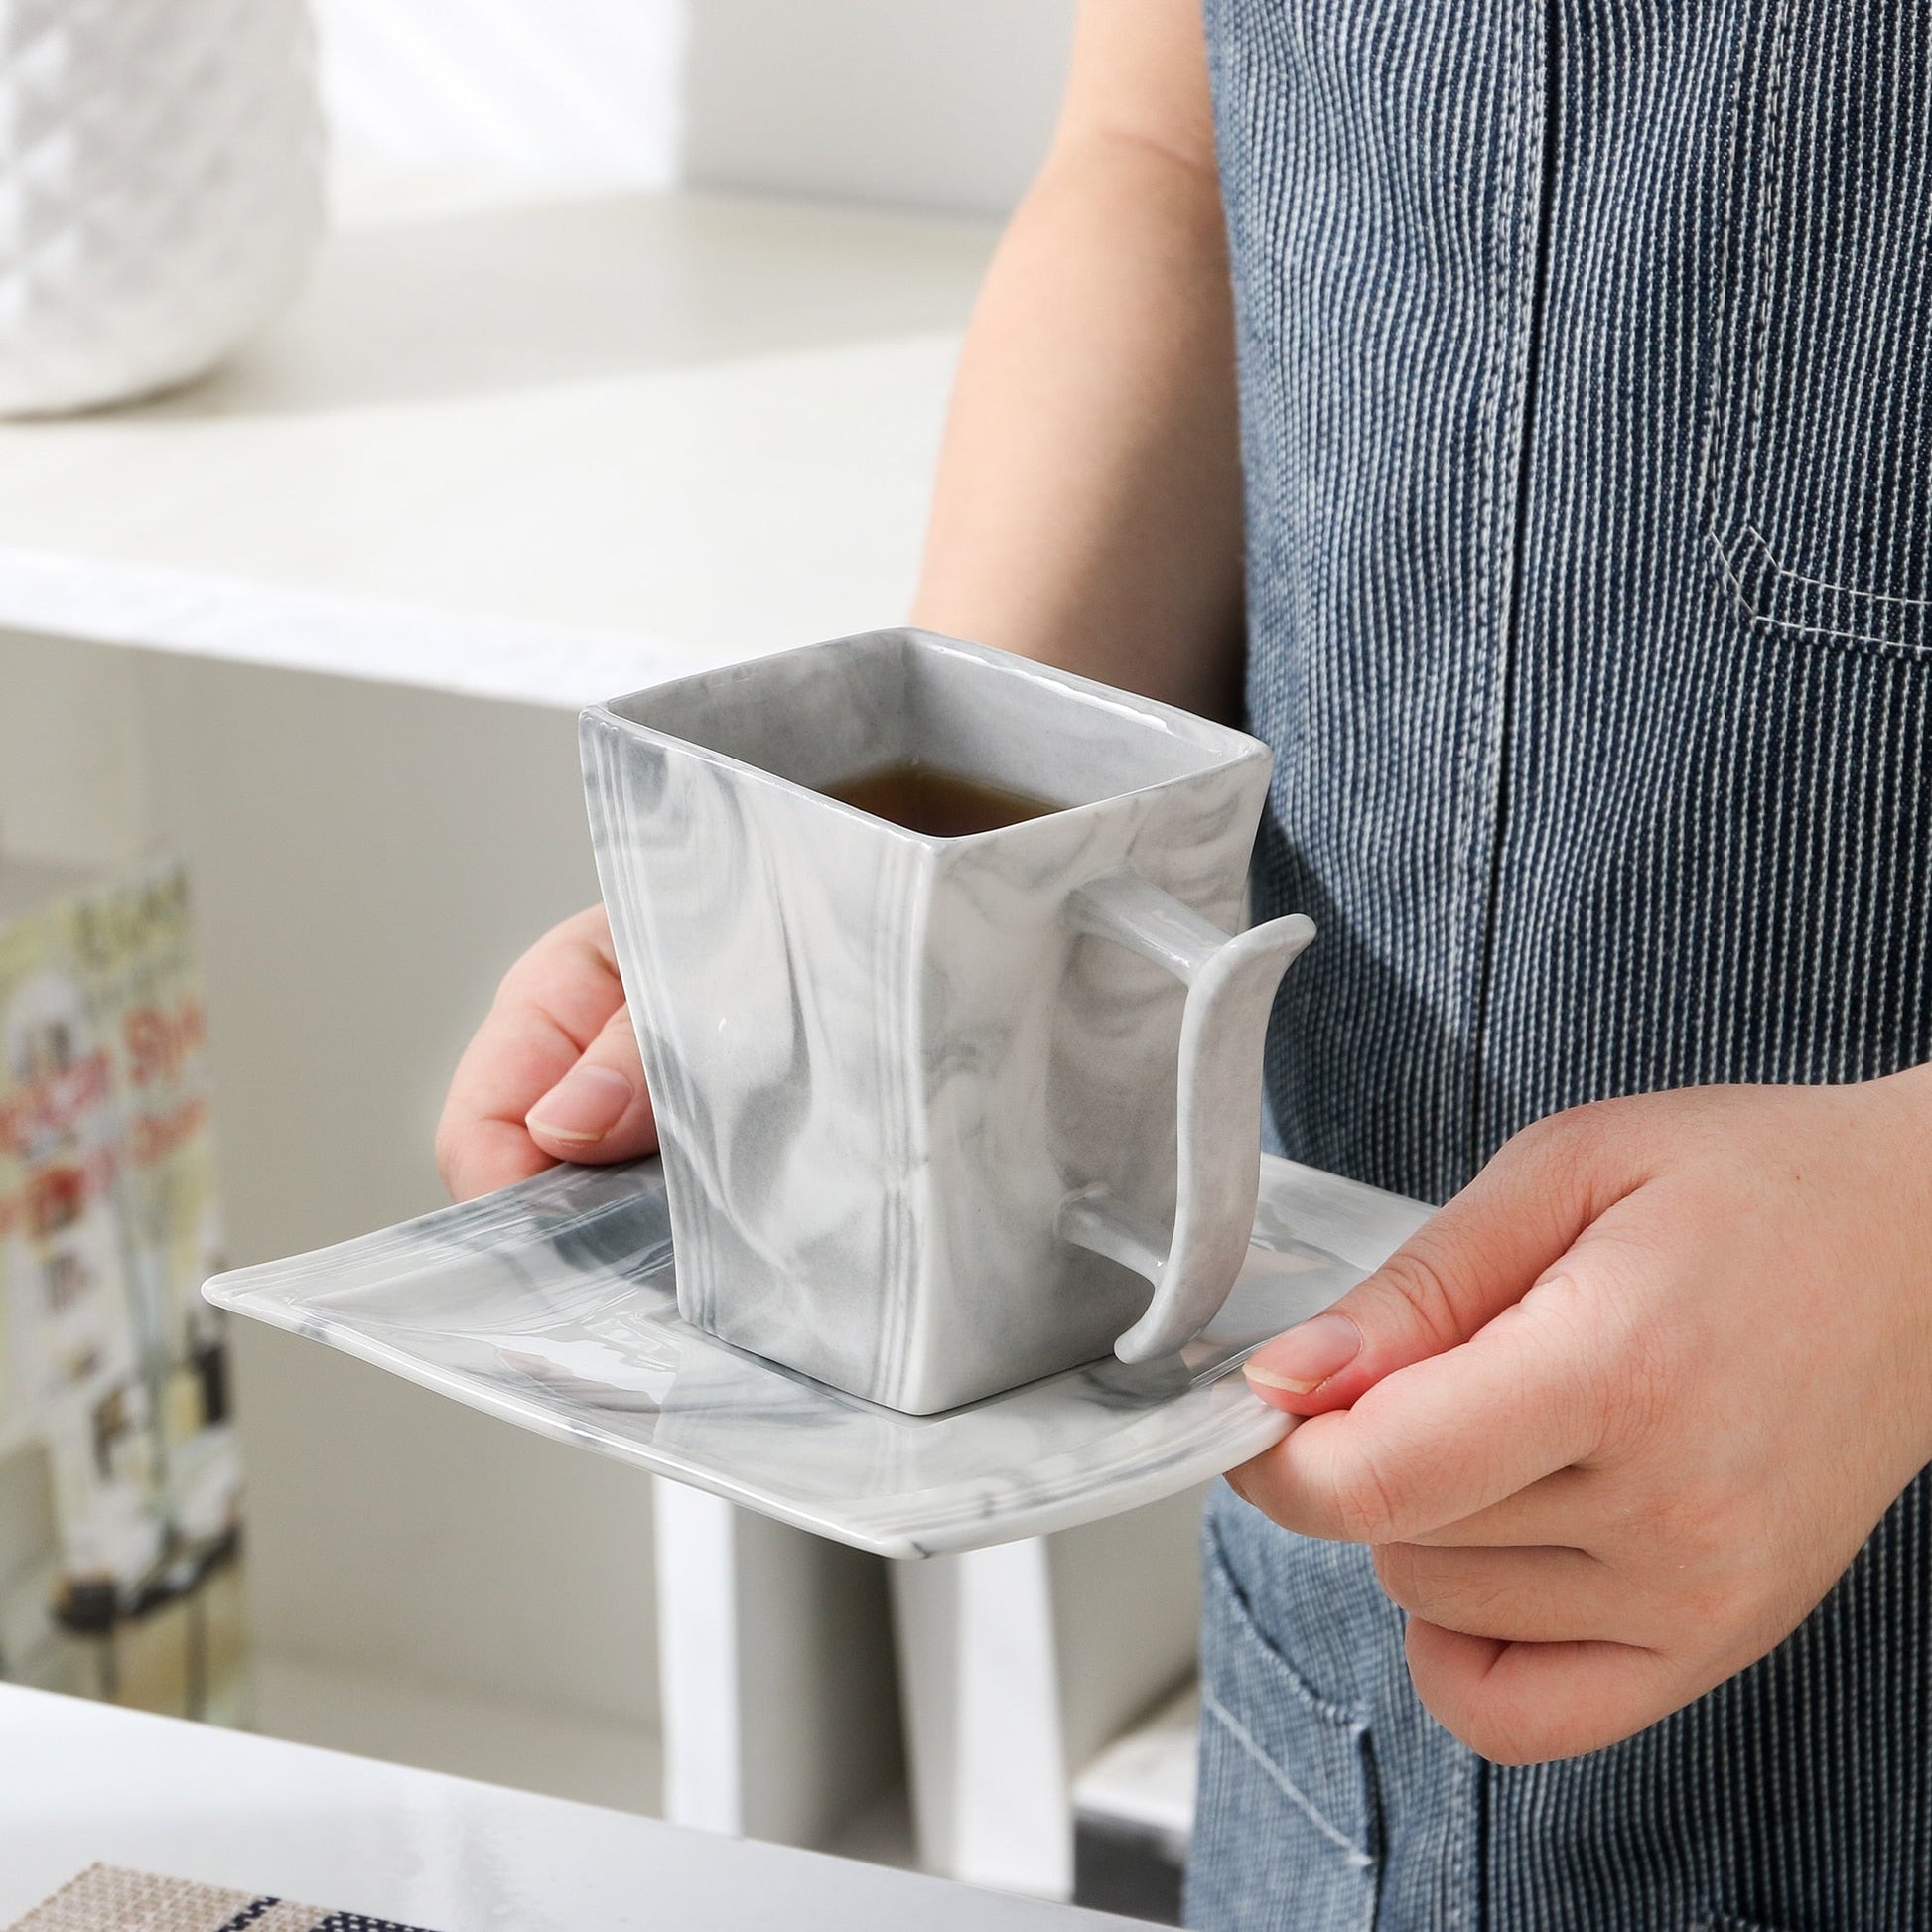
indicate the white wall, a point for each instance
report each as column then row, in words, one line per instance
column 941, row 104
column 71, row 785
column 926, row 103
column 566, row 94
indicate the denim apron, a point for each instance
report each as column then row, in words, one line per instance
column 1586, row 363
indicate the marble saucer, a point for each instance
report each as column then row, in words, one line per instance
column 552, row 1304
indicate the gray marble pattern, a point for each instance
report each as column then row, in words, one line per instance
column 883, row 1063
column 553, row 1305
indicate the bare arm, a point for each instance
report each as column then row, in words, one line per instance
column 1088, row 503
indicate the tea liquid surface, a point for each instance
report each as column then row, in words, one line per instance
column 940, row 804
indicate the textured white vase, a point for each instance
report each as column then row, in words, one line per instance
column 160, row 188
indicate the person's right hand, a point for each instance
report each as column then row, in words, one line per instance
column 553, row 1072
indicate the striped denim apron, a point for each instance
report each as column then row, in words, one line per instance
column 1586, row 359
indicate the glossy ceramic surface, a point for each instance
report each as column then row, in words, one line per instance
column 884, row 1063
column 553, row 1306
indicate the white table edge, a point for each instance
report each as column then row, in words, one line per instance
column 81, row 1782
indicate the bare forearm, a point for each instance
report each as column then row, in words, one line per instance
column 1088, row 508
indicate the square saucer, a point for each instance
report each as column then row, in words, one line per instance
column 553, row 1305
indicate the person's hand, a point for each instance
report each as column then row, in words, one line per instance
column 1619, row 1415
column 553, row 1072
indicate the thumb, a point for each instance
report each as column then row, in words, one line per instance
column 599, row 1110
column 1470, row 1260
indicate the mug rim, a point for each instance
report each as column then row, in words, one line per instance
column 1220, row 746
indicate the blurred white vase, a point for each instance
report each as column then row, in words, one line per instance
column 160, row 188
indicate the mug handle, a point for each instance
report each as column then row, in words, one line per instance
column 1231, row 981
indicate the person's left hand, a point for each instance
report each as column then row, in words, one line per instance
column 1618, row 1416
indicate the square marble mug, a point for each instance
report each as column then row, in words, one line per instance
column 941, row 1115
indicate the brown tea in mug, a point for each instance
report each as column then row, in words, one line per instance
column 942, row 805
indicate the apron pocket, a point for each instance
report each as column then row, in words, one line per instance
column 1286, row 1831
column 1818, row 487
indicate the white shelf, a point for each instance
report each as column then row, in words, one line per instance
column 533, row 450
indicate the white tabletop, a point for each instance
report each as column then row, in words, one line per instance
column 81, row 1782
column 548, row 451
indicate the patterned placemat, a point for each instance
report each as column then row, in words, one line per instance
column 105, row 1898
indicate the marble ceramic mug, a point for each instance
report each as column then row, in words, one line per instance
column 936, row 1112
